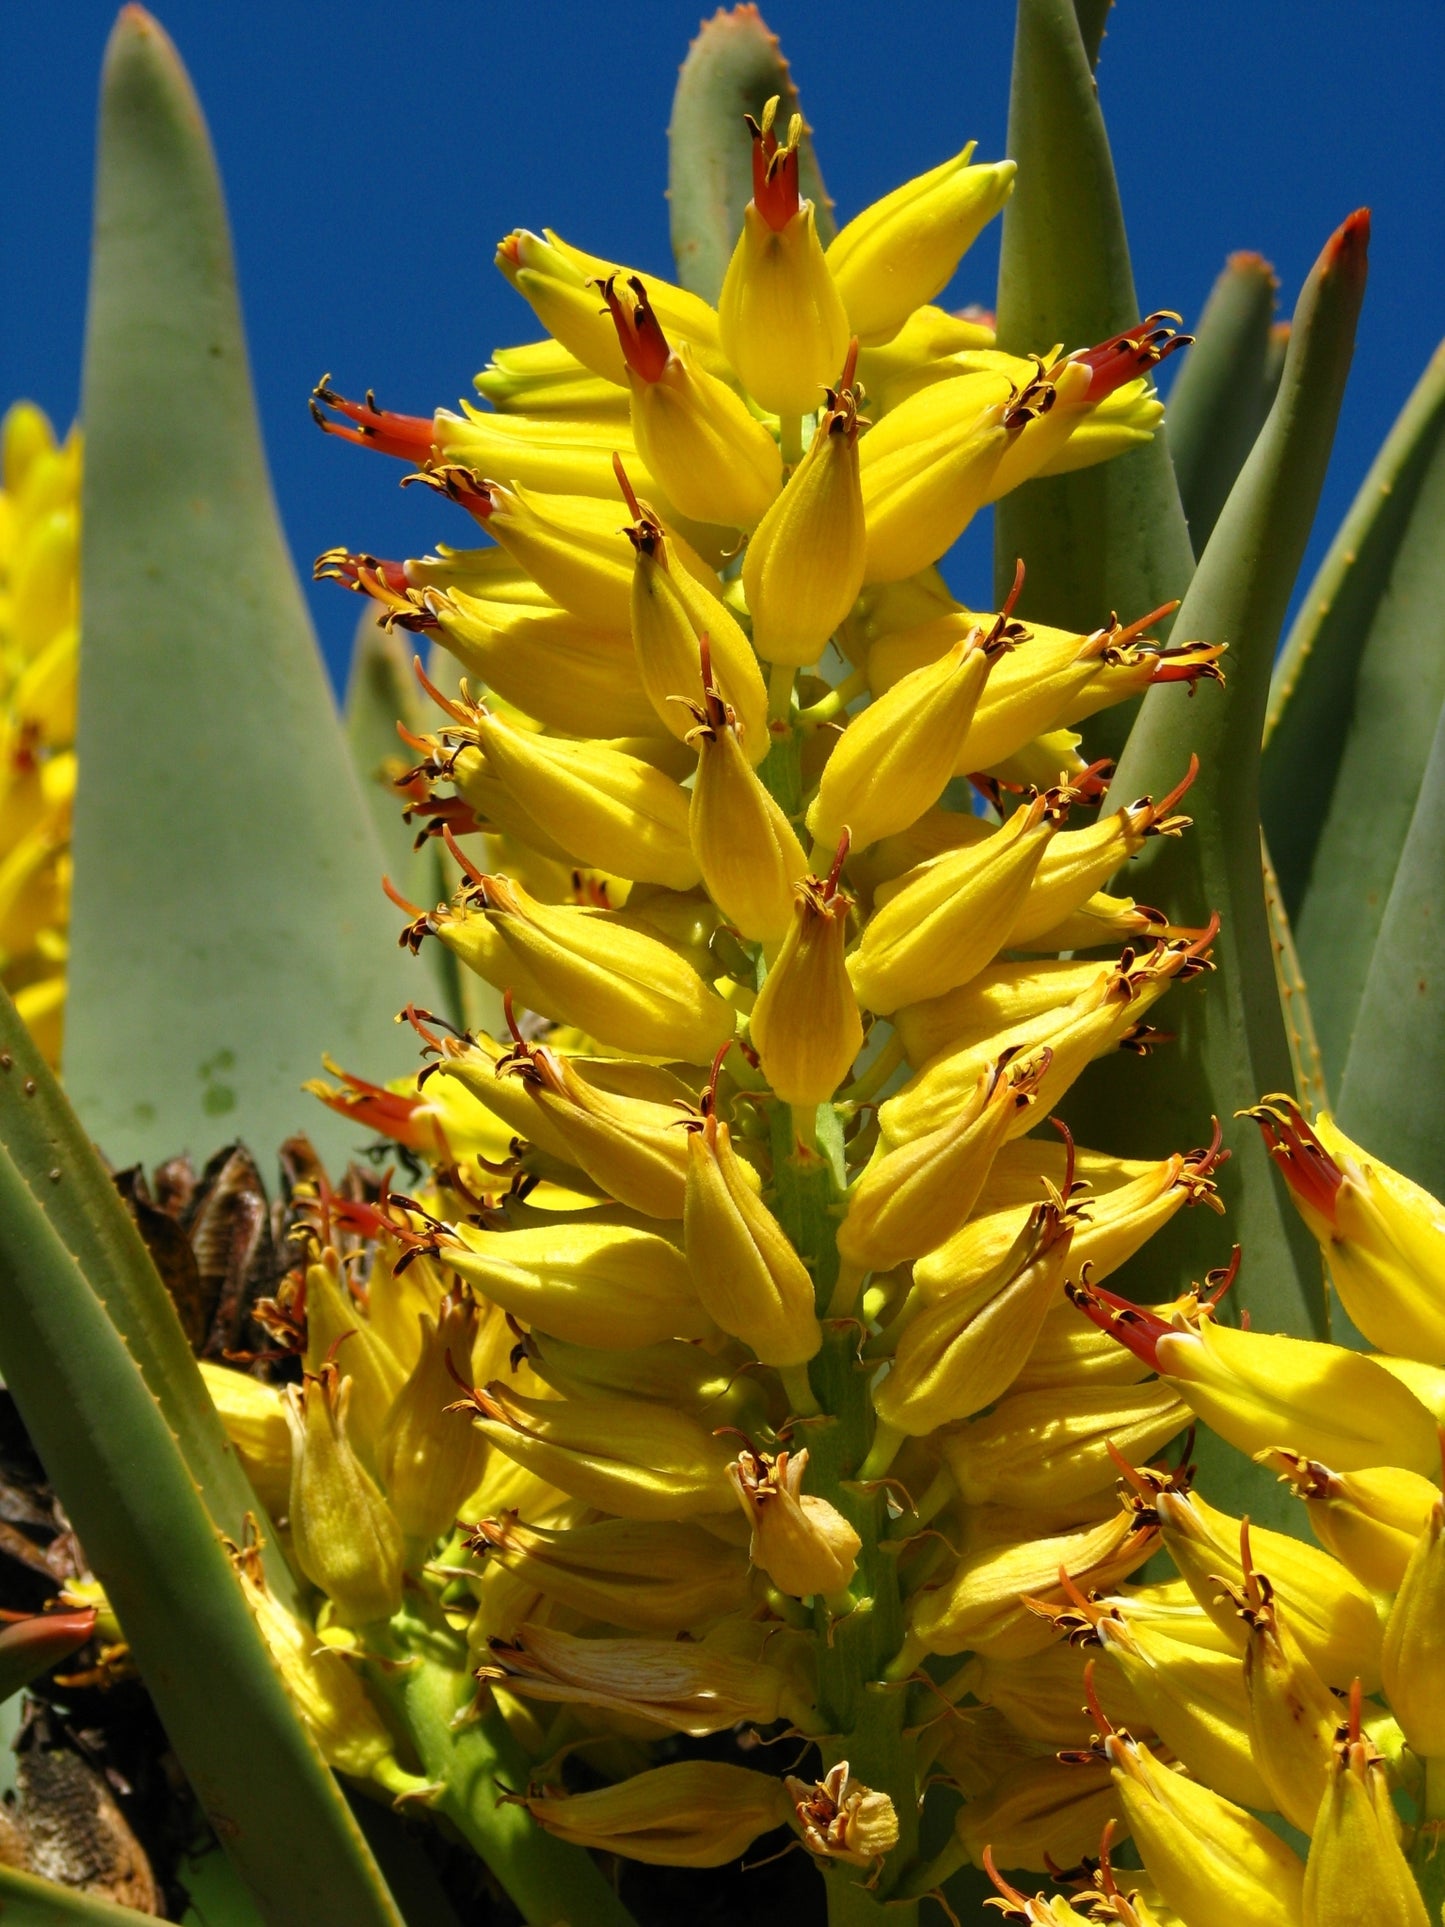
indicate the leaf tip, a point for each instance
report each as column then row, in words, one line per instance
column 1347, row 250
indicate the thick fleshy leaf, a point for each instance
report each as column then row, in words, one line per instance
column 733, row 68
column 1093, row 16
column 227, row 924
column 1232, row 1043
column 1352, row 713
column 1221, row 395
column 1111, row 537
column 1306, row 1064
column 42, row 1136
column 126, row 1486
column 1392, row 1098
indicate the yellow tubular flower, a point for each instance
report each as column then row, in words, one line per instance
column 959, row 1355
column 680, row 311
column 1382, row 1236
column 994, row 1000
column 1041, row 1813
column 1292, row 1713
column 669, row 616
column 334, row 1329
column 346, row 1536
column 543, row 376
column 801, row 1541
column 926, row 470
column 1370, row 1519
column 1213, row 1863
column 747, row 1275
column 1039, row 1446
column 804, row 565
column 894, row 762
column 901, row 252
column 650, row 1576
column 692, row 1813
column 592, row 1284
column 749, row 857
column 942, row 927
column 628, row 989
column 909, row 1200
column 805, row 1025
column 1413, row 1661
column 429, row 1464
column 607, row 809
column 782, row 321
column 254, row 1416
column 1356, row 1869
column 713, row 459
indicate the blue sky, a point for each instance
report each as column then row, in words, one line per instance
column 374, row 153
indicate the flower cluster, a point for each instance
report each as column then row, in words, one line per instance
column 39, row 616
column 739, row 1252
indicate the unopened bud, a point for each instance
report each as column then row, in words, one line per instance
column 346, row 1536
column 805, row 1024
column 430, row 1459
column 1356, row 1868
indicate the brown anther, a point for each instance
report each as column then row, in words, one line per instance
column 644, row 346
column 775, row 168
column 1309, row 1170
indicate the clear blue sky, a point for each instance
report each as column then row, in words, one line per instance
column 374, row 153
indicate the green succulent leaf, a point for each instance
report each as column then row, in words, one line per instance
column 1093, row 19
column 733, row 68
column 1111, row 537
column 1223, row 390
column 28, row 1901
column 44, row 1140
column 1352, row 712
column 227, row 923
column 128, row 1489
column 1232, row 1040
column 1392, row 1097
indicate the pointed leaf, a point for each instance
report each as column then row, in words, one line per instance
column 1232, row 1045
column 733, row 68
column 1306, row 1064
column 227, row 923
column 126, row 1487
column 1352, row 713
column 1111, row 537
column 1393, row 1095
column 1220, row 399
column 42, row 1136
column 1093, row 19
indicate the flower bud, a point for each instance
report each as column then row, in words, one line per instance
column 902, row 251
column 942, row 927
column 958, row 1356
column 346, row 1536
column 1213, row 1863
column 322, row 1685
column 841, row 1819
column 542, row 377
column 926, row 469
column 909, row 1200
column 693, row 1689
column 780, row 318
column 603, row 807
column 555, row 455
column 670, row 615
column 254, row 1415
column 654, row 1577
column 430, row 1459
column 690, row 1813
column 1292, row 1713
column 624, row 1456
column 805, row 1025
column 1356, row 1868
column 713, row 459
column 743, row 843
column 1370, row 1519
column 1194, row 1699
column 593, row 1284
column 1261, row 1389
column 1052, row 1445
column 748, row 1277
column 1413, row 1661
column 801, row 1541
column 1041, row 1813
column 895, row 758
column 621, row 986
column 1382, row 1236
column 804, row 564
column 1333, row 1617
column 980, row 1607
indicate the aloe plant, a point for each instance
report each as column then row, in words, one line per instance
column 741, row 1357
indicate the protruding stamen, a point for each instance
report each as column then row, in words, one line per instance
column 775, row 167
column 644, row 346
column 409, row 437
column 1125, row 356
column 1309, row 1170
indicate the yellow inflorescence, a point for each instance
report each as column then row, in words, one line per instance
column 768, row 1310
column 39, row 632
